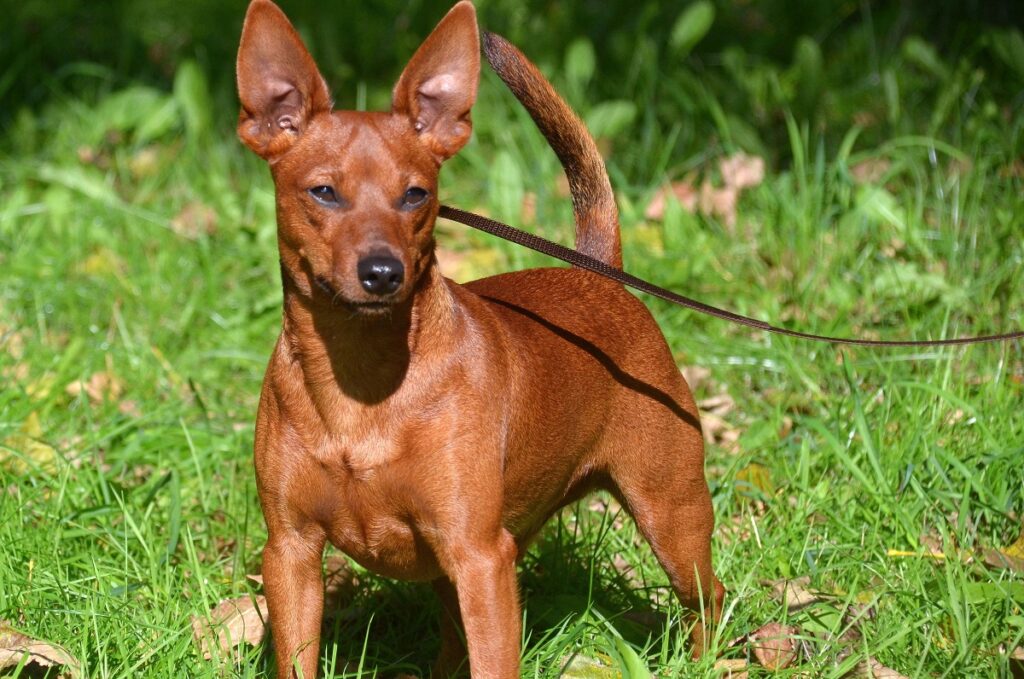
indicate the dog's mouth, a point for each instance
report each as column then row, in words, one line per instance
column 369, row 308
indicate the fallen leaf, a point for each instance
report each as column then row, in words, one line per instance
column 232, row 622
column 1014, row 169
column 40, row 389
column 27, row 441
column 14, row 646
column 1011, row 557
column 732, row 668
column 12, row 341
column 683, row 191
column 872, row 669
column 954, row 417
column 129, row 408
column 740, row 171
column 793, row 594
column 100, row 387
column 528, row 208
column 755, row 476
column 102, row 262
column 1016, row 660
column 583, row 667
column 774, row 645
column 717, row 430
column 719, row 202
column 697, row 376
column 870, row 171
column 720, row 404
column 145, row 162
column 194, row 220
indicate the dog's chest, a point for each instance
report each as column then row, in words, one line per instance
column 363, row 505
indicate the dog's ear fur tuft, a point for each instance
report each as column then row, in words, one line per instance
column 438, row 87
column 279, row 85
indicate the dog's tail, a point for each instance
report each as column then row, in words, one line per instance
column 597, row 218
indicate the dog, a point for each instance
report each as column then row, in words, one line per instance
column 429, row 429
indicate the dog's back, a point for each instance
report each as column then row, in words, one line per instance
column 589, row 355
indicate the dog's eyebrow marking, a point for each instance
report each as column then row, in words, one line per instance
column 618, row 374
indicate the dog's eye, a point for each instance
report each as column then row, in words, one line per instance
column 324, row 195
column 414, row 197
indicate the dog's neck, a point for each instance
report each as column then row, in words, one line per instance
column 365, row 358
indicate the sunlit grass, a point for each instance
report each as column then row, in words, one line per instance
column 137, row 243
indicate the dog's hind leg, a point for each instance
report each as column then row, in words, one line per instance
column 661, row 483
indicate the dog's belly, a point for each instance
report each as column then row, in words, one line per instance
column 387, row 546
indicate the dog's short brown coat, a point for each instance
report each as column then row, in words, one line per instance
column 429, row 429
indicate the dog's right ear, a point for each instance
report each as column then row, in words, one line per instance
column 279, row 86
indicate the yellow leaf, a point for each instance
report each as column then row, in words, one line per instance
column 24, row 447
column 102, row 262
column 755, row 475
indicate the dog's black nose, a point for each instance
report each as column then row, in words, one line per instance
column 380, row 275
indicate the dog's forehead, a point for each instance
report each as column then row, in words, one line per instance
column 365, row 142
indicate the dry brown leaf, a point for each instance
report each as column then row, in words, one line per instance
column 14, row 646
column 145, row 162
column 997, row 558
column 697, row 376
column 195, row 220
column 774, row 645
column 719, row 202
column 231, row 623
column 1011, row 557
column 732, row 668
column 720, row 404
column 870, row 171
column 1016, row 660
column 714, row 427
column 684, row 192
column 101, row 386
column 793, row 594
column 528, row 208
column 872, row 669
column 12, row 341
column 740, row 171
column 129, row 408
column 786, row 428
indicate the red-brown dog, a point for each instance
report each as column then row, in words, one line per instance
column 429, row 429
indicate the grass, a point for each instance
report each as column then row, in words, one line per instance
column 139, row 301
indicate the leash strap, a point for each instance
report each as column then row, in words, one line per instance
column 583, row 261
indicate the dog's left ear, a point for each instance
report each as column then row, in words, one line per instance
column 438, row 86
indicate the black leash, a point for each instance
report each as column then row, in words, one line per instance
column 583, row 261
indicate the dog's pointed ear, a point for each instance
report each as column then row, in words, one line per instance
column 438, row 86
column 279, row 86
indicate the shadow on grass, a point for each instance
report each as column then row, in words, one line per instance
column 393, row 627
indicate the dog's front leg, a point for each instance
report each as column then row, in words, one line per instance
column 295, row 596
column 485, row 580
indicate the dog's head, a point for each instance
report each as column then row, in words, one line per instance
column 356, row 191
